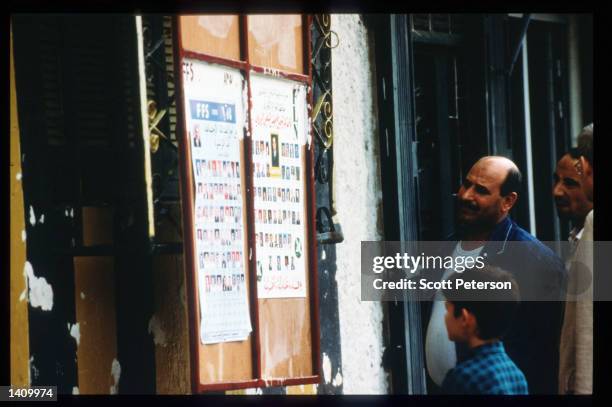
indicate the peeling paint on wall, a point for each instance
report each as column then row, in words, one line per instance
column 75, row 332
column 40, row 292
column 337, row 380
column 33, row 369
column 32, row 216
column 327, row 368
column 30, row 369
column 116, row 373
column 159, row 336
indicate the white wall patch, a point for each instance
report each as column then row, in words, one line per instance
column 75, row 332
column 42, row 218
column 30, row 369
column 337, row 380
column 82, row 295
column 18, row 176
column 33, row 370
column 116, row 373
column 41, row 293
column 23, row 235
column 159, row 336
column 75, row 390
column 327, row 368
column 32, row 216
column 72, row 212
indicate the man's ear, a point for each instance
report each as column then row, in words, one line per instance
column 508, row 201
column 586, row 166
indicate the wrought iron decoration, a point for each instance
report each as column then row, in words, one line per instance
column 324, row 40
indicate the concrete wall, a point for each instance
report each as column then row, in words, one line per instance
column 358, row 200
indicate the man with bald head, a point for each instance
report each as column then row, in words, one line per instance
column 487, row 195
column 484, row 200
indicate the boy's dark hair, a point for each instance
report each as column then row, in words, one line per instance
column 494, row 309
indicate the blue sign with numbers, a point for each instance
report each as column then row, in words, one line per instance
column 216, row 112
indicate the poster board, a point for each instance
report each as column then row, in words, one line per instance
column 249, row 327
column 279, row 138
column 214, row 119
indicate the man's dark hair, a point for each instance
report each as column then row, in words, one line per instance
column 585, row 143
column 494, row 310
column 573, row 152
column 512, row 183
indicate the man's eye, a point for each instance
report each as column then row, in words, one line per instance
column 481, row 190
column 571, row 183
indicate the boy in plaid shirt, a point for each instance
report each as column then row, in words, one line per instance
column 478, row 319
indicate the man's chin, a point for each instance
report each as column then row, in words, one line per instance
column 464, row 221
column 473, row 224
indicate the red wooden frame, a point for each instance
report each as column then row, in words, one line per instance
column 186, row 191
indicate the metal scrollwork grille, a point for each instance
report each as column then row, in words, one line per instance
column 323, row 40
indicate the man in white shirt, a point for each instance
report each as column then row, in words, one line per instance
column 576, row 346
column 571, row 201
column 484, row 200
column 482, row 203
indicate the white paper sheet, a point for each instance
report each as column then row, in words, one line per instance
column 215, row 122
column 279, row 134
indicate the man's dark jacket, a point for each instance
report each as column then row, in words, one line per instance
column 533, row 339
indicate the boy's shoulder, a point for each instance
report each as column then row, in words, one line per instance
column 488, row 371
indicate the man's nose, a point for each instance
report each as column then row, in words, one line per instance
column 465, row 193
column 557, row 190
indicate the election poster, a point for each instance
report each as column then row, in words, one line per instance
column 214, row 104
column 279, row 127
